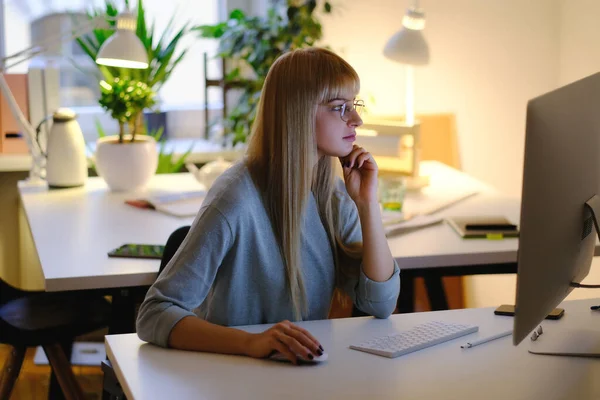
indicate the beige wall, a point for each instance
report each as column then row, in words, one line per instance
column 579, row 56
column 487, row 59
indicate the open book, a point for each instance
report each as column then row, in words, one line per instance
column 185, row 204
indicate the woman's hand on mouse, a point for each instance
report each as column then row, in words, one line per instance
column 286, row 338
column 360, row 175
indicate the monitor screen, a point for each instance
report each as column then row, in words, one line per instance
column 561, row 174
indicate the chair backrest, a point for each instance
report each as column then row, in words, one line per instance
column 439, row 140
column 173, row 243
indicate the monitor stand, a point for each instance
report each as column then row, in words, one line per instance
column 573, row 342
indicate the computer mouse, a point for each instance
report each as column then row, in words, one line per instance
column 277, row 356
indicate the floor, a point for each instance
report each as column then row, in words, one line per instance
column 34, row 379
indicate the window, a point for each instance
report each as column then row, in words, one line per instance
column 29, row 22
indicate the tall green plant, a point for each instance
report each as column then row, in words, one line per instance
column 164, row 53
column 257, row 42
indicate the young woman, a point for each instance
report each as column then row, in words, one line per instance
column 278, row 231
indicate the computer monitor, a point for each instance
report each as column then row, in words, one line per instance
column 561, row 189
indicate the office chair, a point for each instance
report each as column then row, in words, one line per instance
column 50, row 320
column 173, row 242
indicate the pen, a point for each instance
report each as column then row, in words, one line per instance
column 485, row 340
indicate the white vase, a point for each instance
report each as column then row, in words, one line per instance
column 126, row 166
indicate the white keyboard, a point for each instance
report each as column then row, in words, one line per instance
column 417, row 338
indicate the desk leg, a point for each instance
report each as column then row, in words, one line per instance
column 111, row 388
column 123, row 312
column 436, row 292
column 406, row 300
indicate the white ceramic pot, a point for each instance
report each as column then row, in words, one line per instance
column 126, row 166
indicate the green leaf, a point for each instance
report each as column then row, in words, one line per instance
column 106, row 72
column 237, row 15
column 100, row 129
column 211, row 31
column 180, row 162
column 141, row 31
column 327, row 7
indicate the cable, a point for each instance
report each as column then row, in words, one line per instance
column 580, row 285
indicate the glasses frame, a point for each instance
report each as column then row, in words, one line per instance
column 345, row 110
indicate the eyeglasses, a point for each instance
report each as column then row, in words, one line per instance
column 347, row 108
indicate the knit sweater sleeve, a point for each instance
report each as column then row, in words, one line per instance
column 187, row 279
column 374, row 298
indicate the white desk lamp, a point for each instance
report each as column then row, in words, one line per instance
column 408, row 47
column 122, row 49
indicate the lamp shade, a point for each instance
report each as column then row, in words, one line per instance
column 407, row 46
column 123, row 48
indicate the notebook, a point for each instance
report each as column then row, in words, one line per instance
column 185, row 204
column 483, row 227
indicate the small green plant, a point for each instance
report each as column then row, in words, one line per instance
column 126, row 99
column 256, row 42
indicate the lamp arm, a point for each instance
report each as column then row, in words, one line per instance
column 78, row 31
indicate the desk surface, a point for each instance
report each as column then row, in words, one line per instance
column 494, row 370
column 73, row 229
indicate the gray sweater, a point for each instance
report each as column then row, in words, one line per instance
column 229, row 269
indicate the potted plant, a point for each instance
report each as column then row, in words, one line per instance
column 128, row 161
column 255, row 43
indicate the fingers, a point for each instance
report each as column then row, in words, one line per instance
column 297, row 341
column 311, row 337
column 357, row 157
column 305, row 339
column 362, row 158
column 294, row 346
column 285, row 350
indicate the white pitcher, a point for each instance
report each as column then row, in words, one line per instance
column 66, row 161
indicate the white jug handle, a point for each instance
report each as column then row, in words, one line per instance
column 37, row 135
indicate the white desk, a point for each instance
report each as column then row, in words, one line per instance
column 73, row 229
column 495, row 370
column 439, row 245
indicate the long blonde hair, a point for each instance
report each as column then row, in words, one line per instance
column 282, row 155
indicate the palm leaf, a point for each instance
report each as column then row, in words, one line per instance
column 180, row 162
column 167, row 73
column 163, row 58
column 141, row 22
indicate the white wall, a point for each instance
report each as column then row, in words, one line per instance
column 580, row 57
column 487, row 59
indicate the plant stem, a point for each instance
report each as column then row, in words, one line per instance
column 121, row 131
